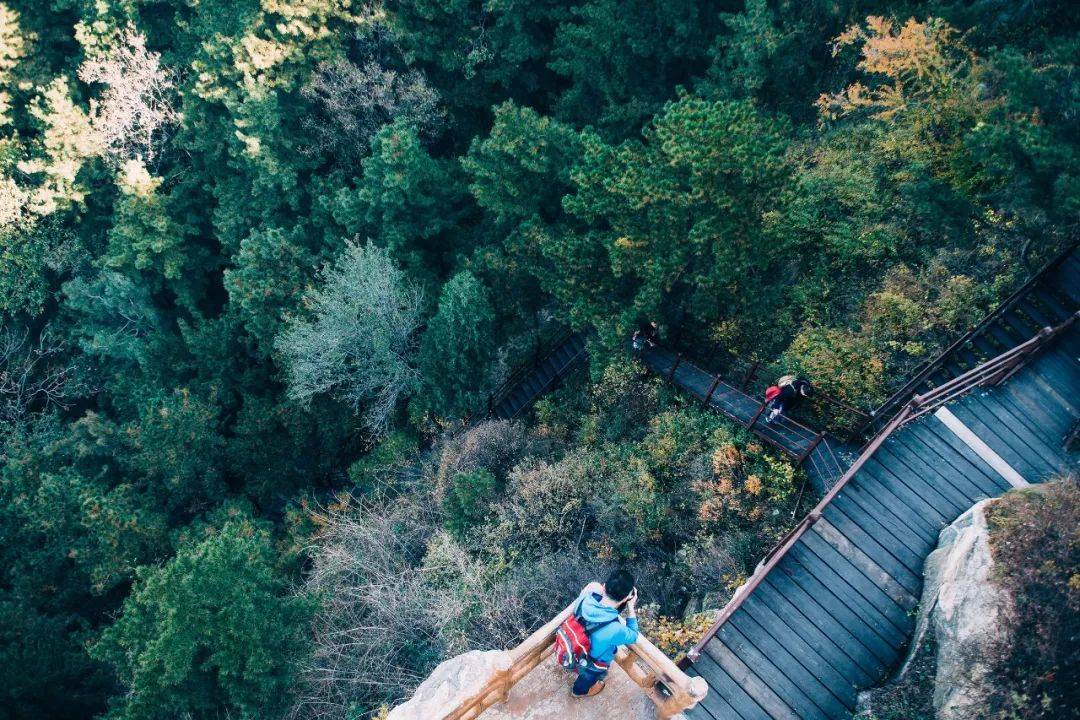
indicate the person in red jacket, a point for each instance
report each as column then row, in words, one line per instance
column 786, row 395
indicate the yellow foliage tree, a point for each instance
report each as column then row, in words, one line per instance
column 911, row 62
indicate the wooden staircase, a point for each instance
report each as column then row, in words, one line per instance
column 829, row 611
column 524, row 387
column 1047, row 299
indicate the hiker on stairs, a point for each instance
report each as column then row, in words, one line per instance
column 785, row 395
column 587, row 641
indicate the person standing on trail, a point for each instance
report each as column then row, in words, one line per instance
column 646, row 334
column 599, row 613
column 785, row 395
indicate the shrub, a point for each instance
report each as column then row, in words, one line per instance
column 674, row 636
column 468, row 500
column 375, row 469
column 910, row 698
column 1035, row 540
column 842, row 362
column 495, row 446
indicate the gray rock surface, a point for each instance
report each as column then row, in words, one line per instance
column 966, row 612
column 452, row 682
column 543, row 694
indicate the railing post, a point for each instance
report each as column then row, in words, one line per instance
column 674, row 367
column 751, row 373
column 809, row 448
column 712, row 389
column 664, row 682
column 761, row 409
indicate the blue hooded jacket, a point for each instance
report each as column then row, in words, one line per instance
column 608, row 638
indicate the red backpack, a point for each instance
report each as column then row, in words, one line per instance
column 572, row 643
column 771, row 392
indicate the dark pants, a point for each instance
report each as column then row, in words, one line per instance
column 787, row 399
column 586, row 678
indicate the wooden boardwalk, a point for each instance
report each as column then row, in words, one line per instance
column 822, row 457
column 831, row 610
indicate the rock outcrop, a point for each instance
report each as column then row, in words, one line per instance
column 965, row 612
column 541, row 695
column 452, row 682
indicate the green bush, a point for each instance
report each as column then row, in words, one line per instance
column 468, row 500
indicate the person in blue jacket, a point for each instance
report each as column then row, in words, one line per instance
column 600, row 609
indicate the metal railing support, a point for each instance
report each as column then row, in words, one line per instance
column 761, row 409
column 909, row 388
column 809, row 449
column 712, row 389
column 674, row 366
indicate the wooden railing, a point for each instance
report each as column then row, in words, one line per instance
column 780, row 549
column 654, row 672
column 752, row 377
column 992, row 372
column 905, row 393
column 787, row 435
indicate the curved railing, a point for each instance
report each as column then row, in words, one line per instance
column 670, row 689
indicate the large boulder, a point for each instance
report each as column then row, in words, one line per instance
column 541, row 695
column 451, row 683
column 969, row 612
column 965, row 612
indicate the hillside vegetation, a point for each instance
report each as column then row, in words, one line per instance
column 259, row 259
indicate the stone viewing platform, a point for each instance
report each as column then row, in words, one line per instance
column 525, row 683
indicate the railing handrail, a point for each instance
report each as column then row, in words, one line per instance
column 796, row 423
column 559, row 372
column 833, row 400
column 933, row 365
column 518, row 374
column 780, row 549
column 752, row 367
column 681, row 691
column 543, row 352
column 994, row 370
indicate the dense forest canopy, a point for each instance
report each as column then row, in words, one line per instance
column 260, row 258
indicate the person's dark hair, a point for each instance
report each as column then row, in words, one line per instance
column 619, row 585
